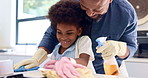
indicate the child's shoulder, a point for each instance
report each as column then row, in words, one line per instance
column 84, row 37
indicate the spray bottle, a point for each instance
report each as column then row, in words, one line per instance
column 110, row 65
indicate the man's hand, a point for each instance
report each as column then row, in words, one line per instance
column 28, row 63
column 65, row 68
column 112, row 48
column 36, row 60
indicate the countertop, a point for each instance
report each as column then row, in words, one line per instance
column 38, row 74
column 140, row 60
column 21, row 55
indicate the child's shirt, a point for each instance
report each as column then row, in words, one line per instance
column 70, row 52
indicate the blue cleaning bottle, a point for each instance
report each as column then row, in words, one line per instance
column 110, row 65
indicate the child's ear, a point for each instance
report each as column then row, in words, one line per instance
column 79, row 31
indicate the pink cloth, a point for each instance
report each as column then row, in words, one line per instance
column 64, row 67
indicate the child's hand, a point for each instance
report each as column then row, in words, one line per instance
column 65, row 68
column 50, row 64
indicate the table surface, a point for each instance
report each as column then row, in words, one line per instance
column 38, row 74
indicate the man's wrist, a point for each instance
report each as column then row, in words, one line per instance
column 48, row 52
column 126, row 54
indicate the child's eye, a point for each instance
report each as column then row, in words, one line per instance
column 69, row 33
column 59, row 32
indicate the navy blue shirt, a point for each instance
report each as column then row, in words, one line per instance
column 119, row 23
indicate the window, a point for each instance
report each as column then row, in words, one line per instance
column 30, row 20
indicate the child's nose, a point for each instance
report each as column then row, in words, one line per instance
column 64, row 37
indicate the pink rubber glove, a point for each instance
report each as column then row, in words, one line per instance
column 66, row 69
column 50, row 65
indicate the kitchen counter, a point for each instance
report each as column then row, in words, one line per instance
column 137, row 67
column 140, row 60
column 38, row 74
column 132, row 64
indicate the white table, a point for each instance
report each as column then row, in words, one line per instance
column 38, row 74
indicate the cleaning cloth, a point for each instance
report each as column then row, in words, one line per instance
column 22, row 69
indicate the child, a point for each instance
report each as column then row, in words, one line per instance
column 69, row 20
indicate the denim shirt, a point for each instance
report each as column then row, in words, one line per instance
column 119, row 23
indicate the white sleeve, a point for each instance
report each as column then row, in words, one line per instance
column 52, row 56
column 84, row 45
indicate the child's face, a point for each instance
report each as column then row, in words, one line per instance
column 67, row 34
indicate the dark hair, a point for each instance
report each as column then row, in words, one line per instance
column 69, row 12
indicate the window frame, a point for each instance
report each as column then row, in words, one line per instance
column 24, row 20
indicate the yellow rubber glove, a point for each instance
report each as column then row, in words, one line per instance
column 36, row 60
column 112, row 48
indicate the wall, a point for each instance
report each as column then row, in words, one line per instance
column 7, row 23
column 143, row 27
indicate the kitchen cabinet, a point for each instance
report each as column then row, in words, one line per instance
column 137, row 67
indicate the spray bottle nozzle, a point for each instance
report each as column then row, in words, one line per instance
column 99, row 43
column 101, row 40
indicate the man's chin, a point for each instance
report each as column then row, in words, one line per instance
column 94, row 17
column 97, row 18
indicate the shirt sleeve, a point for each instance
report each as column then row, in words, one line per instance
column 130, row 37
column 49, row 40
column 130, row 34
column 84, row 45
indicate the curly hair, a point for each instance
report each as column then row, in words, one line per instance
column 67, row 11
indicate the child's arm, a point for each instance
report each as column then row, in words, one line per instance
column 84, row 52
column 83, row 59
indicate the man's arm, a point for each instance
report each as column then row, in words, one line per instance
column 49, row 40
column 46, row 46
column 130, row 35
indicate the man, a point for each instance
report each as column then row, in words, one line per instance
column 114, row 19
